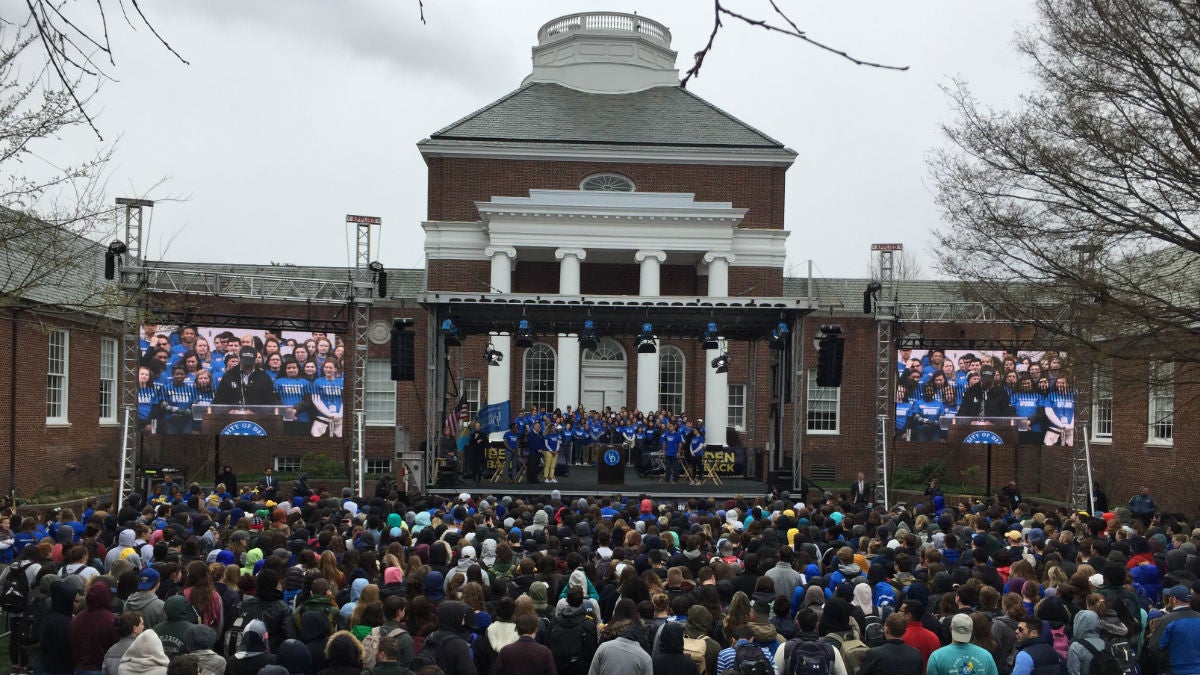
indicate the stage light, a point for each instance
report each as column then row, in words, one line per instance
column 721, row 363
column 525, row 335
column 779, row 336
column 710, row 335
column 110, row 258
column 375, row 266
column 494, row 356
column 452, row 333
column 588, row 338
column 869, row 295
column 829, row 356
column 645, row 340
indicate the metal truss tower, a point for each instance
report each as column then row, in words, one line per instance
column 132, row 282
column 885, row 363
column 362, row 292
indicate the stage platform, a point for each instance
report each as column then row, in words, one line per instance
column 582, row 482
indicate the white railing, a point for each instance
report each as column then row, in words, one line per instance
column 610, row 22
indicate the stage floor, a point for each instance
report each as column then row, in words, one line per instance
column 582, row 481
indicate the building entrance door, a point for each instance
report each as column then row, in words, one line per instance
column 603, row 376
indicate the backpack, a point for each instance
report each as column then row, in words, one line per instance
column 749, row 659
column 229, row 641
column 572, row 642
column 15, row 597
column 696, row 648
column 370, row 644
column 873, row 634
column 431, row 650
column 1116, row 659
column 853, row 650
column 809, row 657
column 504, row 571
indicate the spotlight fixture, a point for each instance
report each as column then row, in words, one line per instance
column 779, row 336
column 588, row 338
column 710, row 335
column 381, row 278
column 721, row 363
column 110, row 258
column 494, row 356
column 451, row 332
column 524, row 334
column 870, row 295
column 375, row 266
column 645, row 340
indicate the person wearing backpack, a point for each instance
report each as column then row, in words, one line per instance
column 268, row 606
column 572, row 636
column 697, row 643
column 394, row 610
column 1173, row 645
column 447, row 647
column 807, row 653
column 960, row 656
column 745, row 656
column 835, row 619
column 16, row 586
column 893, row 657
column 1035, row 655
column 670, row 659
column 1085, row 644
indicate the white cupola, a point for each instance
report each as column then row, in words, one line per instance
column 604, row 53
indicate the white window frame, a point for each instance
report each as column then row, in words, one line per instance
column 379, row 394
column 371, row 465
column 58, row 376
column 1161, row 403
column 821, row 396
column 287, row 464
column 472, row 393
column 110, row 368
column 607, row 182
column 545, row 396
column 668, row 355
column 1102, row 404
column 737, row 401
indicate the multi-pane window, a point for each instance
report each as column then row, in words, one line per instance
column 379, row 390
column 539, row 377
column 108, row 380
column 378, row 466
column 670, row 379
column 287, row 464
column 1102, row 403
column 737, row 406
column 57, row 382
column 471, row 392
column 1162, row 402
column 823, row 406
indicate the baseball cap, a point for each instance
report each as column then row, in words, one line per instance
column 1013, row 535
column 247, row 353
column 467, row 553
column 961, row 628
column 1179, row 592
column 147, row 579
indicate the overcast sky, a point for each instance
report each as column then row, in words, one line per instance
column 293, row 114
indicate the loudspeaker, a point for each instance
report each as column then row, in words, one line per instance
column 403, row 349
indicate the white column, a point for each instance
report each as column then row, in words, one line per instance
column 566, row 389
column 502, row 266
column 647, row 381
column 650, row 260
column 500, row 376
column 718, row 273
column 568, row 270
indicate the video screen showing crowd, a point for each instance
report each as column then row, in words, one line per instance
column 185, row 368
column 936, row 385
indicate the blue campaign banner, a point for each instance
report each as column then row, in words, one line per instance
column 495, row 417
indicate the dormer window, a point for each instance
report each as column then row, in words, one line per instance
column 607, row 182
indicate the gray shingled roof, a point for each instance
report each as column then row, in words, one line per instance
column 849, row 292
column 44, row 264
column 659, row 116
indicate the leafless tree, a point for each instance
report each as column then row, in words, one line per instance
column 905, row 266
column 1078, row 209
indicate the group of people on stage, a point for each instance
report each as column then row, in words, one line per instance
column 932, row 387
column 547, row 443
column 180, row 369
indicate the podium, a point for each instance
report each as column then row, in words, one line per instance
column 611, row 465
column 984, row 430
column 242, row 420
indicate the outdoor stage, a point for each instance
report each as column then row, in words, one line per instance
column 583, row 482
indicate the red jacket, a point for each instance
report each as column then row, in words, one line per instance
column 92, row 631
column 923, row 639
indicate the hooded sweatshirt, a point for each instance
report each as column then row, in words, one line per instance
column 356, row 588
column 448, row 642
column 251, row 655
column 149, row 604
column 180, row 617
column 145, row 656
column 92, row 631
column 123, row 549
column 200, row 640
column 1086, row 628
column 54, row 634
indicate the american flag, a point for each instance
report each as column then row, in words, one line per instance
column 456, row 415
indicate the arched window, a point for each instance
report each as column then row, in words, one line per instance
column 539, row 377
column 670, row 379
column 606, row 182
column 608, row 351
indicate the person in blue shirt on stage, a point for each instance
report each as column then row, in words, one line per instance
column 671, row 442
column 926, row 414
column 552, row 443
column 178, row 398
column 904, row 410
column 512, row 449
column 696, row 447
column 327, row 397
column 595, row 432
column 295, row 392
column 1027, row 403
column 536, row 444
column 149, row 399
column 1059, row 408
column 580, row 440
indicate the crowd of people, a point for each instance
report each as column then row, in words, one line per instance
column 180, row 371
column 481, row 584
column 544, row 444
column 931, row 389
